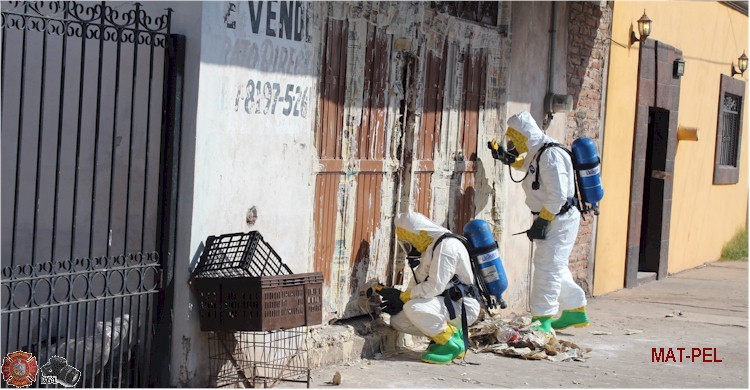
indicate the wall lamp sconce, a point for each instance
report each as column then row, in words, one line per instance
column 678, row 68
column 644, row 29
column 742, row 64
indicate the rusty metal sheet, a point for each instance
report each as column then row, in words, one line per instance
column 432, row 111
column 474, row 83
column 422, row 192
column 328, row 142
column 464, row 201
column 475, row 74
column 333, row 83
column 366, row 223
column 326, row 194
column 371, row 137
column 429, row 131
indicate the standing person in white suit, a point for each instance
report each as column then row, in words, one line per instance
column 549, row 186
column 435, row 305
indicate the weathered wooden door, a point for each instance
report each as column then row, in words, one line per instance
column 472, row 100
column 453, row 145
column 369, row 158
column 429, row 131
column 329, row 146
column 354, row 173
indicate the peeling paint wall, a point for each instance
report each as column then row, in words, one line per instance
column 259, row 118
column 411, row 31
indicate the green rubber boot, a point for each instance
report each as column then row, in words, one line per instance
column 546, row 322
column 453, row 348
column 575, row 317
column 460, row 334
column 433, row 344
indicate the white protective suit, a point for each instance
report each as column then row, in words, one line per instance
column 425, row 313
column 553, row 286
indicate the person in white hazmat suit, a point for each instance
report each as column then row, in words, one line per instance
column 421, row 310
column 555, row 227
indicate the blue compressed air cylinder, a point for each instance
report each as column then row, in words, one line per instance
column 586, row 162
column 479, row 234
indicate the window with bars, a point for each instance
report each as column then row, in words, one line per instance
column 482, row 12
column 729, row 131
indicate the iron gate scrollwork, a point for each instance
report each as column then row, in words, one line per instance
column 101, row 308
column 84, row 126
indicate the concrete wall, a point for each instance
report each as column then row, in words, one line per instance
column 236, row 141
column 704, row 216
column 528, row 77
column 256, row 112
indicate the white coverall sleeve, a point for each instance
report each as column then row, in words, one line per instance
column 442, row 269
column 555, row 179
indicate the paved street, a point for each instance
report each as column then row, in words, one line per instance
column 705, row 307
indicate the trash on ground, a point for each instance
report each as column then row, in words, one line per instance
column 516, row 338
column 336, row 381
column 628, row 332
column 600, row 333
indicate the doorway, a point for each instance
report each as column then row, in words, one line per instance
column 654, row 151
column 653, row 194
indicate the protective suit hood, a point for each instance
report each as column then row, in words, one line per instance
column 523, row 130
column 418, row 230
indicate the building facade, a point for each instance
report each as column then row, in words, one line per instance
column 674, row 168
column 316, row 123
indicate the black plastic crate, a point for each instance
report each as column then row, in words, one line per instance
column 237, row 255
column 242, row 285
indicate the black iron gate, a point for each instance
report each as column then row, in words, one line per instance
column 85, row 126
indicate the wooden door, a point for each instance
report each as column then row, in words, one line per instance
column 429, row 131
column 472, row 101
column 350, row 232
column 329, row 145
column 369, row 155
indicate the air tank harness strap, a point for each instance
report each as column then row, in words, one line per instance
column 454, row 294
column 458, row 291
column 583, row 167
column 572, row 202
column 576, row 168
column 484, row 249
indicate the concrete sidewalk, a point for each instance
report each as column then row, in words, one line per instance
column 705, row 307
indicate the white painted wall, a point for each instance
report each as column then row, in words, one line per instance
column 235, row 156
column 255, row 148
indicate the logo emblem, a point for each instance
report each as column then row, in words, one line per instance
column 20, row 369
column 58, row 371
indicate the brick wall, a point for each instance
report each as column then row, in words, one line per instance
column 589, row 27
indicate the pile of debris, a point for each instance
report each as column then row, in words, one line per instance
column 516, row 338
